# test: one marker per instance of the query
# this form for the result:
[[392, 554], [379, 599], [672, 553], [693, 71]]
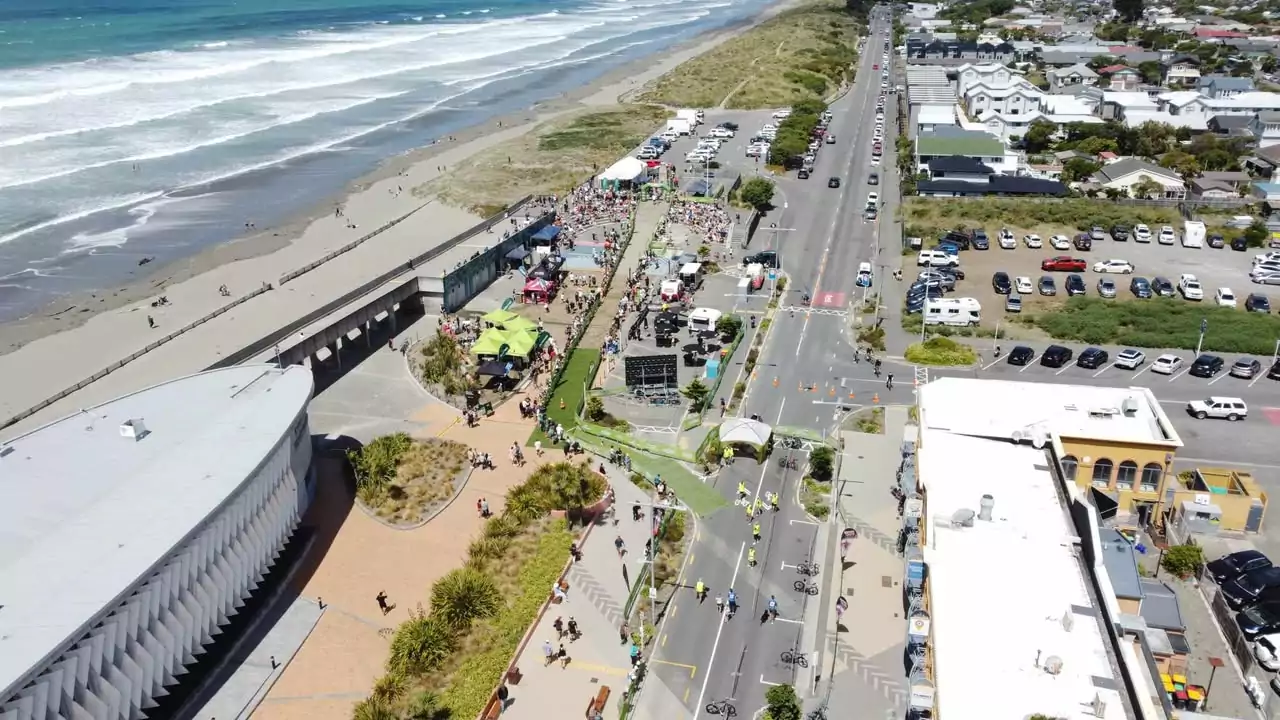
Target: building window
[[1069, 465], [1126, 474], [1151, 473], [1102, 473]]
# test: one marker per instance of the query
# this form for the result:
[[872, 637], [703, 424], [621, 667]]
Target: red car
[[1064, 263], [875, 67]]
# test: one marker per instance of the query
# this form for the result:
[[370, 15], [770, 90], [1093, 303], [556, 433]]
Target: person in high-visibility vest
[[759, 506], [751, 557], [773, 501], [755, 533], [700, 590], [742, 490]]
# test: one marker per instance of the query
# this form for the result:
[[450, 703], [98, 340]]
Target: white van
[[864, 275], [960, 312], [703, 320], [782, 115], [936, 258]]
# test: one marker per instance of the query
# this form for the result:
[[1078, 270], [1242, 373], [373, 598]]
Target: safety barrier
[[121, 363]]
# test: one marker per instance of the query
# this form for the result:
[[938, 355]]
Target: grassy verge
[[571, 390], [814, 497], [1160, 323], [699, 496], [869, 421], [555, 157], [801, 54], [941, 352], [924, 217]]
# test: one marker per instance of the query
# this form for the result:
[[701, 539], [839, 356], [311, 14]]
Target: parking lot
[[1214, 268]]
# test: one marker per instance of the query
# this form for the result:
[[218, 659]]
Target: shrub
[[728, 326], [941, 351], [1183, 560], [375, 464], [822, 463], [757, 192], [872, 337], [463, 596], [1161, 323], [697, 393], [781, 703], [420, 645], [595, 408]]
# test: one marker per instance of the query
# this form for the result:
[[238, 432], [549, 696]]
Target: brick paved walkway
[[344, 655]]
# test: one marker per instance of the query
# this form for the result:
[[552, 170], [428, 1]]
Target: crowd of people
[[709, 221]]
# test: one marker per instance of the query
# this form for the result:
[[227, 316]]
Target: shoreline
[[72, 311]]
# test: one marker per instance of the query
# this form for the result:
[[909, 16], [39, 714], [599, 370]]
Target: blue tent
[[548, 233]]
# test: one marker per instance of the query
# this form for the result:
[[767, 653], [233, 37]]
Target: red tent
[[538, 290]]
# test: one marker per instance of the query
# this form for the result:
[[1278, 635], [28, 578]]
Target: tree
[[1256, 234], [1039, 136], [781, 703], [463, 596], [1146, 189], [1130, 11], [1183, 560], [595, 408], [375, 465], [1096, 145], [822, 463], [420, 645], [697, 392], [1151, 72], [758, 193], [728, 326], [1269, 64], [1077, 169]]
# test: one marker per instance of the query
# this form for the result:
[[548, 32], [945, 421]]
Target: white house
[[992, 74], [1125, 174], [1078, 74], [1016, 99], [1194, 103], [1265, 126], [932, 116]]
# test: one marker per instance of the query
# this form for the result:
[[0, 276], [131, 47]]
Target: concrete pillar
[[391, 318], [336, 347], [367, 330]]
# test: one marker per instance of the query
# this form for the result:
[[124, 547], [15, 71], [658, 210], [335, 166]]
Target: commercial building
[[132, 531]]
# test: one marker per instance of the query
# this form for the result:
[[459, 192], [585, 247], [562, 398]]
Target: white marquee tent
[[628, 169], [745, 431]]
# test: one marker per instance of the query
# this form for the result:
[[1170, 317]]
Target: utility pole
[[1204, 327], [652, 558]]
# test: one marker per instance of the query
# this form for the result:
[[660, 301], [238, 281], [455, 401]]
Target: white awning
[[745, 431]]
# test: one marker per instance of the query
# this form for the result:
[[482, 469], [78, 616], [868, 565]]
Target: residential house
[[1223, 184], [1121, 78], [995, 185], [1014, 99], [1125, 174], [1265, 161], [1194, 103], [1181, 71], [1265, 127], [956, 167], [990, 74], [1078, 74], [975, 144], [1147, 607], [930, 117], [1223, 86], [1231, 125], [1116, 104], [1215, 35], [1056, 109], [961, 50]]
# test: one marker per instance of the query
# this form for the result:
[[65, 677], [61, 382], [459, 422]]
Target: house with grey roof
[[1078, 74], [1121, 562], [1220, 184], [1265, 127], [1223, 86], [1129, 173]]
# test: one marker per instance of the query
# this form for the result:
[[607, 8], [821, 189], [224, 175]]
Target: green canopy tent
[[519, 324], [499, 317], [490, 342], [505, 343]]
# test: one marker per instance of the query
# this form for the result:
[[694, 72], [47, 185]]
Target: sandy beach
[[77, 336]]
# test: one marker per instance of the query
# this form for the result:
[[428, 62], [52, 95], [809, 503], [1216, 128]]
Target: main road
[[822, 238]]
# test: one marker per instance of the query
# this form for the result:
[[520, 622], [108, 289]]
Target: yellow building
[[1117, 440]]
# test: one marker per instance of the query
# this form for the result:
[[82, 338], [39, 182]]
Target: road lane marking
[[1257, 377], [1217, 378], [602, 669], [702, 694], [1221, 462], [1178, 375], [803, 522], [1064, 369], [692, 669], [1108, 367], [764, 682], [789, 620], [1030, 362]]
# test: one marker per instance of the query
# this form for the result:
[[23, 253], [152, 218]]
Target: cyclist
[[722, 406], [773, 607], [773, 501], [877, 365], [876, 370], [733, 602], [751, 557], [700, 590], [742, 490], [755, 533], [889, 383], [719, 604], [758, 506]]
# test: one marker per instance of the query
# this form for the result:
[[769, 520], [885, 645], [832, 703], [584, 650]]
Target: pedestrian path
[[599, 585], [869, 671], [648, 217]]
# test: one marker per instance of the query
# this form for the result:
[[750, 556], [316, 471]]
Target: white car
[[1130, 359], [1032, 241], [1224, 297], [875, 159], [873, 199], [1141, 233], [1122, 267], [1060, 242], [782, 115], [1023, 285], [721, 133], [1273, 256], [1008, 242], [1167, 236], [1190, 288], [1167, 364], [1266, 649], [1226, 408]]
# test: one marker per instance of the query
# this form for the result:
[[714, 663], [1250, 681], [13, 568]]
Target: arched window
[[1102, 468], [1126, 475], [1151, 473], [1069, 465]]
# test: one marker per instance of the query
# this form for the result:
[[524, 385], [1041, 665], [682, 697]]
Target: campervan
[[691, 275], [961, 312], [703, 320], [864, 275], [670, 291]]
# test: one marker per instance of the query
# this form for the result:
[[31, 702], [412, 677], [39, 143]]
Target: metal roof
[[1121, 562]]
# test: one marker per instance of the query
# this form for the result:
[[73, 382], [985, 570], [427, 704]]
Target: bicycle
[[792, 657], [810, 569], [804, 587], [722, 707]]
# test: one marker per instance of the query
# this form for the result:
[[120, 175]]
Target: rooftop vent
[[134, 429], [1068, 620], [1098, 707], [985, 506], [962, 518], [1130, 406], [1103, 413], [6, 451], [1053, 665]]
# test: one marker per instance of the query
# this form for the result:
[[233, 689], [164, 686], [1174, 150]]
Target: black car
[[1056, 356], [1207, 366], [1140, 287], [833, 182], [1257, 303], [1119, 232], [729, 126], [1243, 590], [980, 241], [1274, 372], [1217, 241], [873, 179], [803, 174], [1083, 242], [1262, 619], [1046, 286], [1162, 287], [1001, 284], [1239, 244], [1230, 567], [1021, 355], [957, 238], [767, 258], [1092, 358], [1074, 285]]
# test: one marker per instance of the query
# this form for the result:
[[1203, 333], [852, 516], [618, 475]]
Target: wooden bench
[[596, 707], [493, 710]]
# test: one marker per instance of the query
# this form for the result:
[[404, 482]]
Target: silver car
[[1106, 288]]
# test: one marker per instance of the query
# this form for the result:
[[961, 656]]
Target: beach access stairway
[[648, 217]]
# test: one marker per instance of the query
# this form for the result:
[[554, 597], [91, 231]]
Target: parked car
[[1074, 285], [1233, 565], [980, 241], [1000, 283], [1097, 234], [1119, 233], [1023, 285], [1246, 368], [1190, 288], [1021, 355], [767, 258], [1140, 287], [1141, 233], [1225, 297], [1206, 366], [1239, 243], [1046, 286], [1092, 358], [1008, 242], [1013, 304], [1266, 653], [1167, 364], [1032, 241], [1217, 241], [1262, 619], [1219, 408], [1063, 263], [1244, 589], [1257, 303], [1083, 242], [1106, 288], [1059, 242], [1273, 373], [1167, 236], [1130, 359], [1055, 356], [873, 179], [1122, 267]]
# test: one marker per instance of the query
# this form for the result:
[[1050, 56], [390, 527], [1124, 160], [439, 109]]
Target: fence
[[121, 363], [1178, 203], [715, 387]]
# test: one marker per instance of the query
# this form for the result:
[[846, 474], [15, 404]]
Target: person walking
[[381, 597], [755, 533], [549, 652], [773, 501], [719, 604], [503, 695], [733, 602], [700, 590], [573, 629], [624, 633], [620, 546], [559, 627], [635, 654], [563, 656]]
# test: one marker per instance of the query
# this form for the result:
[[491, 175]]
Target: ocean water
[[156, 128]]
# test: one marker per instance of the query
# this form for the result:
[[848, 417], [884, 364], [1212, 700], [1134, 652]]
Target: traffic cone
[[831, 393], [775, 381], [875, 398], [850, 396]]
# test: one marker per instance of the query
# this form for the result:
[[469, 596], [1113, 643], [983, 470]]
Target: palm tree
[[464, 595], [420, 645], [426, 705], [373, 709]]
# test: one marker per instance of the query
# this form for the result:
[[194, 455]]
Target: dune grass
[[557, 156], [802, 53]]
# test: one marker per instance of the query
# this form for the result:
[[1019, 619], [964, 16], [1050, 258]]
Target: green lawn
[[572, 388], [701, 497], [1160, 323]]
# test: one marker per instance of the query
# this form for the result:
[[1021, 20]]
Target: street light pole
[[1204, 327]]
